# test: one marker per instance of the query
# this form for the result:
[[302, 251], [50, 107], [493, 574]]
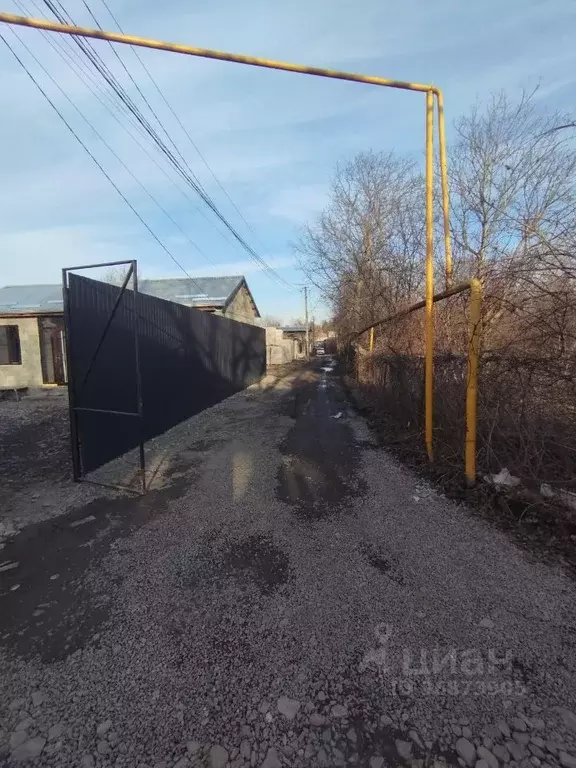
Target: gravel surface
[[288, 595]]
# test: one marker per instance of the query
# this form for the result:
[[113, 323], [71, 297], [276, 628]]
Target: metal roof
[[199, 292]]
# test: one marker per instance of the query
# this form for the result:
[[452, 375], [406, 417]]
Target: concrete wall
[[29, 373], [241, 308], [278, 349]]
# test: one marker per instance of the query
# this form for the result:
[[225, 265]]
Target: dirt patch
[[381, 561], [34, 444], [320, 467], [260, 560], [47, 606]]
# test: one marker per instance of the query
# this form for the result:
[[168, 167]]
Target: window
[[10, 345]]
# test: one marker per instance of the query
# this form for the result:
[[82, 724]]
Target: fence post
[[472, 380]]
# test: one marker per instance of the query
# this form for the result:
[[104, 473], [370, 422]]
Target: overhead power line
[[94, 159], [179, 121], [183, 170], [76, 62], [106, 144]]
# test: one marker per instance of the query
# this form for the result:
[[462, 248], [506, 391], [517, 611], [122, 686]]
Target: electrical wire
[[106, 144], [180, 123], [76, 62], [112, 81], [100, 166]]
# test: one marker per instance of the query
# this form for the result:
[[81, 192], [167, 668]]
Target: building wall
[[241, 307], [278, 349], [29, 373]]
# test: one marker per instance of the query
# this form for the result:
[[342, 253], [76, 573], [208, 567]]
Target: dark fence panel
[[189, 360]]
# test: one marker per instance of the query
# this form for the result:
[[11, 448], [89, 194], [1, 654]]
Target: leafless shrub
[[513, 218]]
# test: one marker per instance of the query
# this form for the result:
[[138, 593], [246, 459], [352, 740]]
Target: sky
[[270, 138]]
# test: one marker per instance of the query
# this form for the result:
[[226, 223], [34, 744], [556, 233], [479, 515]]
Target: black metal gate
[[138, 365]]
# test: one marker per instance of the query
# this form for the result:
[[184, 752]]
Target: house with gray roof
[[32, 322]]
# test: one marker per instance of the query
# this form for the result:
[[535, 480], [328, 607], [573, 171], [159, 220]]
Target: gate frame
[[132, 272]]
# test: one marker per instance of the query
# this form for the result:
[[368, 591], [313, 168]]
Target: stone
[[386, 721], [17, 738], [322, 759], [521, 738], [502, 726], [487, 742], [517, 724], [183, 763], [218, 756], [538, 742], [16, 704], [38, 698], [501, 753], [103, 728], [321, 696], [288, 707], [481, 764], [539, 753], [23, 725], [376, 762], [245, 749], [404, 749], [416, 738], [516, 750], [193, 746], [486, 623], [103, 747], [87, 762], [317, 720], [535, 761], [488, 757], [568, 717], [352, 736], [29, 749], [467, 732], [55, 732], [466, 750], [339, 710], [566, 760]]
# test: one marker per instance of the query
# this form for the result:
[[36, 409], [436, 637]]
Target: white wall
[[29, 373]]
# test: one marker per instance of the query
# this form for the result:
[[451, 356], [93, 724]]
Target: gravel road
[[289, 595]]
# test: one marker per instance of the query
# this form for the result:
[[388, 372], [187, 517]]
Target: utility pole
[[306, 321]]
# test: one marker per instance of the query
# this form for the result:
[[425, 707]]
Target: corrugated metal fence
[[181, 359]]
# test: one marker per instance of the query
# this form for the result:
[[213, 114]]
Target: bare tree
[[365, 251], [271, 321]]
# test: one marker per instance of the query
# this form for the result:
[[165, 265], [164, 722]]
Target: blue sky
[[271, 138]]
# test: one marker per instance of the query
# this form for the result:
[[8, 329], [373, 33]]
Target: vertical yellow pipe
[[429, 369], [445, 193], [472, 380], [371, 343]]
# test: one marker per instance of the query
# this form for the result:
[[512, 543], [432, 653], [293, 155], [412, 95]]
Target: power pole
[[306, 321]]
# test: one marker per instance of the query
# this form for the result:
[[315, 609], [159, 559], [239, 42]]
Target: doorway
[[51, 332]]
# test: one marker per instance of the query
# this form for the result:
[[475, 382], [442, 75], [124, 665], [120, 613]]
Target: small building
[[32, 324], [298, 334]]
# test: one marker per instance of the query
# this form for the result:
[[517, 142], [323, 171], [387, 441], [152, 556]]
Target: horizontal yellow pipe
[[460, 288], [207, 53]]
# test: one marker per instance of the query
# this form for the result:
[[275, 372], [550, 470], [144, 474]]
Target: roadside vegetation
[[512, 169]]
